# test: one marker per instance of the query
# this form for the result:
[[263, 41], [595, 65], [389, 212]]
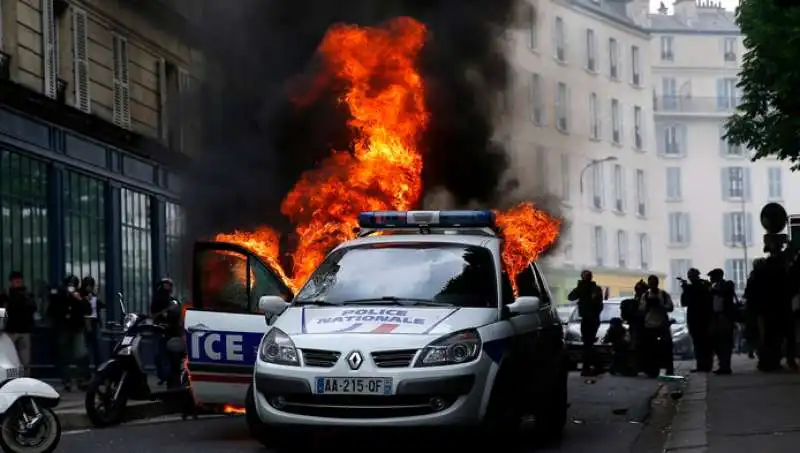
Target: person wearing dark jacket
[[162, 309], [723, 318], [93, 322], [655, 306], [20, 308], [629, 310], [696, 297], [589, 297], [68, 312]]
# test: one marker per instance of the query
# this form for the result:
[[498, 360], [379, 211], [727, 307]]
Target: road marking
[[78, 431]]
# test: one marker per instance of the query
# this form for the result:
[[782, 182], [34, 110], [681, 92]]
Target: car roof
[[462, 239]]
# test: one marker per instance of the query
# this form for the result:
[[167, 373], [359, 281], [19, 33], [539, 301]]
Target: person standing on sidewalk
[[92, 330], [67, 312], [723, 296], [589, 297], [655, 306], [696, 297], [629, 310], [20, 308]]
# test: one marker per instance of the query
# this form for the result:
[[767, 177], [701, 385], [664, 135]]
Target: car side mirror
[[272, 306], [522, 306]]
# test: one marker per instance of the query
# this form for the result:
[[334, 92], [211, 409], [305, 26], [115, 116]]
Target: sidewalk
[[747, 412]]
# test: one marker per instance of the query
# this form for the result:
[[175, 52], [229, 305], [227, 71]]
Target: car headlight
[[278, 348], [129, 320], [460, 347]]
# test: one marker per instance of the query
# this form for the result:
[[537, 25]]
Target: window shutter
[[725, 183], [80, 51], [721, 98], [728, 268], [727, 229], [748, 228], [50, 49], [121, 111], [621, 122], [687, 221], [746, 183], [682, 139], [661, 141], [163, 99], [593, 234], [604, 245]]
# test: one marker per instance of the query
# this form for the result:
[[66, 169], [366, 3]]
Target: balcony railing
[[694, 104]]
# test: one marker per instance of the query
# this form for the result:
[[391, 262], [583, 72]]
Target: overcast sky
[[728, 4]]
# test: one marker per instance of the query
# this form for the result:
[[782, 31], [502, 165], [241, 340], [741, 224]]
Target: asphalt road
[[605, 416]]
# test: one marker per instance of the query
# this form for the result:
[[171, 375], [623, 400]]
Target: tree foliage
[[768, 118]]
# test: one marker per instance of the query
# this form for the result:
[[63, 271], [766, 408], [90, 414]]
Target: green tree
[[768, 118]]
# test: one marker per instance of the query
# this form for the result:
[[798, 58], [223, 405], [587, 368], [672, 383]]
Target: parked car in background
[[565, 311], [681, 341]]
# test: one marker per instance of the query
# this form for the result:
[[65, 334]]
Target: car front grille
[[400, 358], [320, 358], [359, 406]]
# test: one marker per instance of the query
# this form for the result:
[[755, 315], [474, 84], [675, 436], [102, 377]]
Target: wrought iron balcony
[[695, 104]]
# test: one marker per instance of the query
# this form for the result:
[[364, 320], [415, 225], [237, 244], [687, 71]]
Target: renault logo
[[355, 360]]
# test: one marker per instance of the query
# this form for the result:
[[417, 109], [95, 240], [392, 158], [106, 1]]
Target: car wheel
[[259, 430], [551, 415]]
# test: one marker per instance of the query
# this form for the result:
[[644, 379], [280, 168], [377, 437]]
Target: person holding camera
[[696, 297], [589, 297], [723, 319], [656, 305]]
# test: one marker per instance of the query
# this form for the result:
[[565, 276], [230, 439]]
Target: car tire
[[551, 416], [259, 430]]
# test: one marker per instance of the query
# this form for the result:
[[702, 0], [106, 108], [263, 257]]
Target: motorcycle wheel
[[101, 407], [43, 437]]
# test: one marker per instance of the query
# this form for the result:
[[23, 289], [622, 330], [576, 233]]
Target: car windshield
[[610, 310], [404, 273]]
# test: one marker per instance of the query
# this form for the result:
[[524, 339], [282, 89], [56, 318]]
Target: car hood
[[382, 320]]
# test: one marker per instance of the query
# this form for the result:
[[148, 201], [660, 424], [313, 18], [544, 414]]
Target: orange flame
[[385, 95], [228, 409]]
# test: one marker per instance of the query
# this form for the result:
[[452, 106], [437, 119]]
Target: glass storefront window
[[23, 223], [137, 254], [175, 228], [85, 228]]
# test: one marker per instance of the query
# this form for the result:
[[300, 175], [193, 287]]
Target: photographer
[[657, 338], [723, 297], [696, 297], [589, 297]]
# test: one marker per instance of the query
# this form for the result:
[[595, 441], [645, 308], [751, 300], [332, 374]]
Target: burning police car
[[413, 323]]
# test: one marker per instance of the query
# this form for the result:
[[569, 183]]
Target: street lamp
[[591, 164]]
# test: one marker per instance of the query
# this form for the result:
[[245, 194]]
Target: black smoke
[[254, 141]]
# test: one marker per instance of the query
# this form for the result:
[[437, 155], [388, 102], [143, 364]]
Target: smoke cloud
[[255, 142]]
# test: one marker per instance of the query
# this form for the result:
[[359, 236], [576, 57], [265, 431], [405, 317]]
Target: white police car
[[415, 326]]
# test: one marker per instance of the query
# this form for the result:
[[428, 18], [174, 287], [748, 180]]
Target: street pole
[[591, 164], [744, 238]]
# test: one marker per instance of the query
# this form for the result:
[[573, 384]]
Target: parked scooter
[[123, 377], [27, 421]]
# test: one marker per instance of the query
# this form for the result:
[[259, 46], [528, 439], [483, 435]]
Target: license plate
[[126, 341], [353, 386], [13, 373]]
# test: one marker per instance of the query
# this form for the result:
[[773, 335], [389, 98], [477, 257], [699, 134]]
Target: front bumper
[[435, 396]]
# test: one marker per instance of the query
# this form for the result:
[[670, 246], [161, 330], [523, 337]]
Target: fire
[[527, 232], [228, 409], [385, 95]]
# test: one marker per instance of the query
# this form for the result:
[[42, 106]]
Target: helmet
[[164, 282], [87, 281]]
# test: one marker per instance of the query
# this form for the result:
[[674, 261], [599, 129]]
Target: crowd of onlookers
[[73, 311]]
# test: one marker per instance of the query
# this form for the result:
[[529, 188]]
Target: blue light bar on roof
[[441, 219]]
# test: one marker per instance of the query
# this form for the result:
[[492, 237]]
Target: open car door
[[223, 324]]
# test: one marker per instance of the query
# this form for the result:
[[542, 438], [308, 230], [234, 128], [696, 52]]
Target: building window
[[679, 228], [594, 117], [591, 51], [678, 268], [673, 139], [636, 66], [641, 194], [674, 192], [50, 42], [137, 254], [669, 93], [736, 271], [644, 251], [730, 49], [737, 229], [533, 38], [775, 183], [616, 122], [537, 111], [175, 230], [727, 94], [613, 58], [666, 48], [735, 183], [85, 227], [560, 40], [566, 183], [599, 243], [23, 222], [567, 241], [622, 248], [619, 189], [638, 128], [598, 189], [122, 96], [562, 107]]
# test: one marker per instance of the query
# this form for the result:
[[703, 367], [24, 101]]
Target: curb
[[76, 419], [689, 430]]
